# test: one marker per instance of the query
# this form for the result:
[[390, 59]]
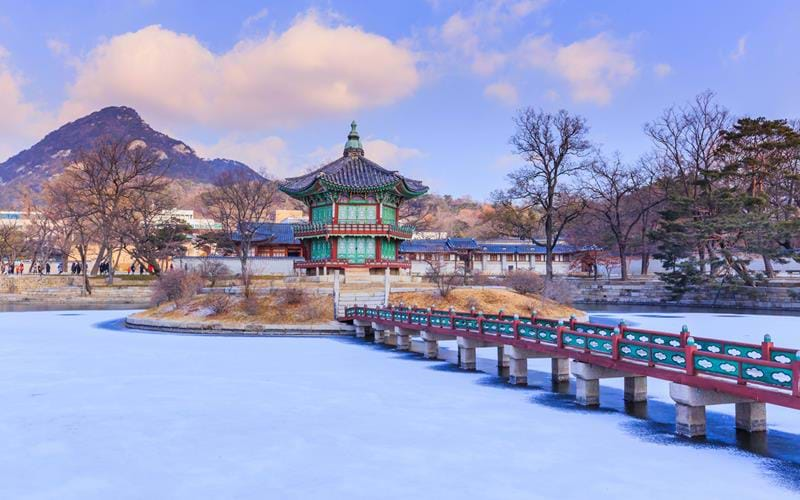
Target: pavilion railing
[[351, 228]]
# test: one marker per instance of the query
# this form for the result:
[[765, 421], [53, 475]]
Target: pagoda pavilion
[[353, 206]]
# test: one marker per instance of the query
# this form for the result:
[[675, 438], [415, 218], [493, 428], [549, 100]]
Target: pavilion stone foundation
[[587, 383], [690, 410]]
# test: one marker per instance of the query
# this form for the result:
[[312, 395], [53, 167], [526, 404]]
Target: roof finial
[[353, 145]]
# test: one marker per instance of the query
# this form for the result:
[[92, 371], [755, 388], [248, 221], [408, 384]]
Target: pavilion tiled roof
[[355, 172]]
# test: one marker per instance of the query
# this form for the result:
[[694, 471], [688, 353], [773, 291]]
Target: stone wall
[[259, 266], [785, 298], [25, 283]]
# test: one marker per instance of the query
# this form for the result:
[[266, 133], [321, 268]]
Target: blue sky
[[433, 84]]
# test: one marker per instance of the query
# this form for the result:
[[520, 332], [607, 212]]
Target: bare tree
[[553, 146], [440, 274], [686, 140], [72, 217], [620, 197], [13, 241], [239, 201], [110, 177]]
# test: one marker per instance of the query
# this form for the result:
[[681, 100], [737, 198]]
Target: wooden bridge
[[702, 371]]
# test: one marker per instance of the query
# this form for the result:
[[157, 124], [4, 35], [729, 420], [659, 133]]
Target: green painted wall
[[320, 249], [389, 215], [322, 214], [356, 249], [357, 213], [387, 249]]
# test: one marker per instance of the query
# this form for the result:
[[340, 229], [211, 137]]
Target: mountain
[[29, 170]]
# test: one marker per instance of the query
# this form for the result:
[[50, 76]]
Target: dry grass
[[268, 309], [489, 301]]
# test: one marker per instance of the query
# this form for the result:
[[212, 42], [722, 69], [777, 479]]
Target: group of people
[[150, 268], [11, 268]]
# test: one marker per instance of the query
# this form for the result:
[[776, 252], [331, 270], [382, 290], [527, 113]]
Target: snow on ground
[[92, 412]]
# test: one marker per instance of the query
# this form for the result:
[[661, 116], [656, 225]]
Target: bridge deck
[[760, 372]]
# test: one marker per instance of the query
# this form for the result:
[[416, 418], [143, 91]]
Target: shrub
[[473, 303], [251, 305], [291, 296], [525, 282], [218, 303], [561, 291], [214, 270], [177, 285]]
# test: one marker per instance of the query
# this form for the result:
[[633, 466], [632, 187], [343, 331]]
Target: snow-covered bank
[[89, 412]]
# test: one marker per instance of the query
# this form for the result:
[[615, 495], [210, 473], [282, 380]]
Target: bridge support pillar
[[587, 391], [431, 350], [518, 371], [559, 369], [378, 333], [361, 328], [587, 383], [502, 358], [518, 363], [635, 389], [751, 417], [403, 338], [691, 402], [469, 355]]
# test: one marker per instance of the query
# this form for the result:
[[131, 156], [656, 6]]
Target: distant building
[[491, 256], [198, 224], [289, 216], [276, 239]]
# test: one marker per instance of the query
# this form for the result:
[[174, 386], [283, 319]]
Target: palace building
[[353, 206]]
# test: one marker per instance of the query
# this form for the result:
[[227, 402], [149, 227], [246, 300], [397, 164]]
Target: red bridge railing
[[761, 372]]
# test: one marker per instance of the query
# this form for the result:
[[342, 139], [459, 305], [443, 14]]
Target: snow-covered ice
[[88, 411]]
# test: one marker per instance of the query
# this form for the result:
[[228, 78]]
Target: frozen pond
[[92, 411]]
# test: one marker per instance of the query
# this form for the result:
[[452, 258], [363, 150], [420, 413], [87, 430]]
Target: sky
[[433, 84]]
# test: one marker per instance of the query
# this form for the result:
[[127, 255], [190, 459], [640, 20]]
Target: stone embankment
[[67, 290], [227, 328], [782, 297]]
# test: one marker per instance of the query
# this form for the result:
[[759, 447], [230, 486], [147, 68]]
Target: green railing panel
[[634, 351], [742, 351], [666, 357], [708, 364], [597, 330], [672, 341], [547, 336], [547, 322], [782, 357], [466, 323], [600, 345], [709, 346], [441, 321], [571, 339], [782, 377]]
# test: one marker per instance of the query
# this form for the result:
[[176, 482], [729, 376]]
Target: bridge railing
[[746, 363]]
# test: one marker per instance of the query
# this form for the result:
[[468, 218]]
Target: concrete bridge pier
[[378, 331], [432, 340], [518, 365], [503, 361], [587, 383], [469, 356], [403, 338], [361, 328], [690, 410]]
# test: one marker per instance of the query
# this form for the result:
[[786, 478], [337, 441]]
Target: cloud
[[593, 68], [249, 21], [502, 92], [312, 69], [388, 154], [662, 70], [22, 121], [267, 155], [740, 50], [465, 36]]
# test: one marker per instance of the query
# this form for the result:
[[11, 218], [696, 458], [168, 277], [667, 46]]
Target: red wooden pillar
[[690, 349], [766, 348], [335, 249], [335, 213], [378, 249]]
